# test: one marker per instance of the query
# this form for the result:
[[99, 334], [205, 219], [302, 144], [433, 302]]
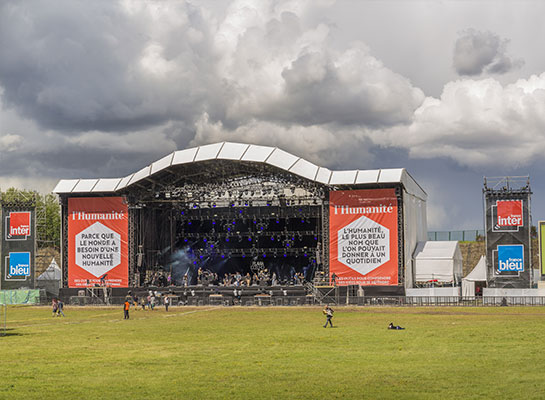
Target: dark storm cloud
[[104, 66], [97, 66], [476, 52]]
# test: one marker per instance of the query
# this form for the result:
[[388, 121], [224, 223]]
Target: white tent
[[52, 273], [478, 274], [438, 262]]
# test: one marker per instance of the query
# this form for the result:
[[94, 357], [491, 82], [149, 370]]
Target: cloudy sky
[[451, 90]]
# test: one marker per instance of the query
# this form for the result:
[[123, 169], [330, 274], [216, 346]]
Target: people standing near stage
[[54, 305], [167, 302], [152, 301], [60, 307], [126, 307], [328, 312], [129, 297], [248, 279]]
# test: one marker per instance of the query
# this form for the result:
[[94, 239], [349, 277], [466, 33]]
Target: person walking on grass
[[126, 307], [167, 303], [54, 305], [60, 307], [328, 312]]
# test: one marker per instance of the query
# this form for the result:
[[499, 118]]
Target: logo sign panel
[[509, 213], [507, 216], [17, 225], [18, 266], [97, 242], [510, 258], [363, 237]]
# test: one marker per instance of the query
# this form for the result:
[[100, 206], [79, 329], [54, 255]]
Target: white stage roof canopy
[[272, 156]]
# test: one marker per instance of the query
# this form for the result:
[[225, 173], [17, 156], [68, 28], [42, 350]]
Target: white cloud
[[478, 123], [323, 145]]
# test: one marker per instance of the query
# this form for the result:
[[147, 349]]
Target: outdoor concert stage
[[230, 208]]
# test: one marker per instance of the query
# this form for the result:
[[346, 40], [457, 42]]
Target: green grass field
[[274, 353]]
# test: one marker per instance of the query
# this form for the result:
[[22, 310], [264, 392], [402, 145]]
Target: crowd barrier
[[311, 300]]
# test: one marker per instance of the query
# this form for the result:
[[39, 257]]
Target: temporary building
[[50, 279], [478, 274], [438, 262]]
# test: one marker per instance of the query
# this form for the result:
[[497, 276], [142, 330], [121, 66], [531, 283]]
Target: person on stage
[[328, 312]]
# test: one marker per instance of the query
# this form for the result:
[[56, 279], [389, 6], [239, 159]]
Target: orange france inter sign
[[97, 242], [363, 234]]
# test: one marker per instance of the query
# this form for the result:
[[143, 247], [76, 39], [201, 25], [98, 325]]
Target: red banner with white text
[[363, 232], [98, 242]]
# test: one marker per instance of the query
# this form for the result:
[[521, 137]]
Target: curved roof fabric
[[249, 153]]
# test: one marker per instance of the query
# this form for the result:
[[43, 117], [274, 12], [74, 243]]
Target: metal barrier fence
[[462, 236], [396, 301]]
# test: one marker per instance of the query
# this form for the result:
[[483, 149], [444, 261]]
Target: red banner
[[97, 242], [363, 237]]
